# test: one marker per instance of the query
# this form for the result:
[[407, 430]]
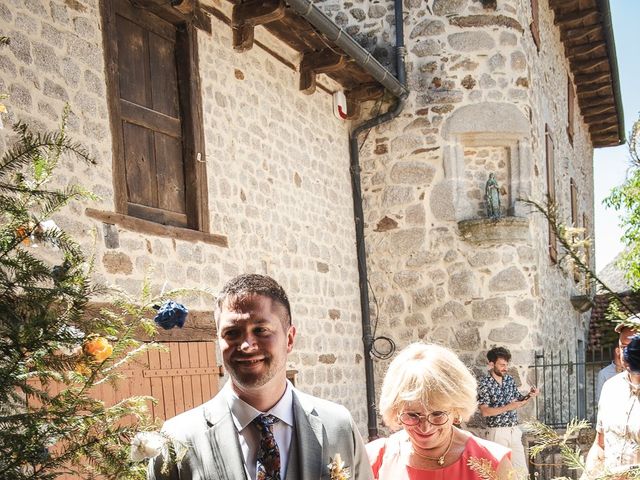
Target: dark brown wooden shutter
[[535, 23], [571, 101], [575, 220], [150, 116], [551, 191]]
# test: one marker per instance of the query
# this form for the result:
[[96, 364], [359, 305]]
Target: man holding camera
[[499, 399]]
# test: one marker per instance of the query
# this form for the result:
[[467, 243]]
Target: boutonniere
[[337, 470]]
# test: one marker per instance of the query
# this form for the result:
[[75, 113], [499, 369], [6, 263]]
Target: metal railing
[[567, 381]]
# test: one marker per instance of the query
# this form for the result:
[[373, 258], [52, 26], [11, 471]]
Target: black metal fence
[[568, 382]]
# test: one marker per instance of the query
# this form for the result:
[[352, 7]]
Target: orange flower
[[99, 348], [21, 233], [82, 369]]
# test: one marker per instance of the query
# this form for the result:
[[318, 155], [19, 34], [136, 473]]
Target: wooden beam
[[580, 33], [601, 117], [361, 93], [567, 18], [586, 65], [595, 101], [587, 78], [314, 63], [604, 128], [561, 3], [584, 49], [246, 16], [599, 109], [596, 90]]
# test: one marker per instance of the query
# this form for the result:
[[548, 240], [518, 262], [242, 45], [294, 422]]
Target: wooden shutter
[[575, 221], [535, 23], [151, 123], [551, 191], [154, 101], [571, 101], [587, 249]]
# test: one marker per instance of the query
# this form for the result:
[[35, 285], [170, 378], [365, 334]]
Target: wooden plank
[[157, 215], [156, 386], [180, 371], [178, 392], [207, 391], [141, 386], [588, 13], [187, 382], [167, 386], [580, 33], [170, 173], [314, 63], [110, 42], [151, 228], [164, 78], [585, 49], [132, 62], [586, 65], [147, 118], [194, 154], [196, 381], [140, 165], [211, 362]]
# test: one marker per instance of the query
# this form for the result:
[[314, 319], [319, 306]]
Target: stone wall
[[481, 94], [278, 181]]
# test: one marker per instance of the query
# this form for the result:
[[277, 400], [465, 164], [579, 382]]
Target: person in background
[[617, 443], [498, 400], [608, 372], [260, 427], [425, 389]]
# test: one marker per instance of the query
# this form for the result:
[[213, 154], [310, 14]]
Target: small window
[[535, 23], [551, 191], [571, 102], [156, 114]]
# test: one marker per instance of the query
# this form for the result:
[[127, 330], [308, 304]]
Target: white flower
[[146, 445], [337, 469]]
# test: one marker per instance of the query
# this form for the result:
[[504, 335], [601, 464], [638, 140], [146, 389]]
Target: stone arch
[[498, 129]]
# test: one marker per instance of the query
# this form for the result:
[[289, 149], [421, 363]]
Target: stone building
[[240, 164]]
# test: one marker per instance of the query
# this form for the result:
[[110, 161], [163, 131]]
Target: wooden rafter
[[585, 65], [599, 109], [588, 48], [246, 16], [590, 78], [596, 90], [568, 18], [578, 34], [362, 93], [313, 63]]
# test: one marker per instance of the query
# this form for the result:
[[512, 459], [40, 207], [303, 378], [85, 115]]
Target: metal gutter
[[342, 39], [607, 26]]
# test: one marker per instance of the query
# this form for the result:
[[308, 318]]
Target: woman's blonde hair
[[432, 375]]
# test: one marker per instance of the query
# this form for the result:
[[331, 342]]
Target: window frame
[[551, 190], [535, 23], [191, 116]]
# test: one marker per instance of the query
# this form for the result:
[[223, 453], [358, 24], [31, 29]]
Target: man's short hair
[[253, 284], [498, 352]]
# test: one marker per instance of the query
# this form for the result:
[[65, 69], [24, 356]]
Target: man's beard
[[499, 373]]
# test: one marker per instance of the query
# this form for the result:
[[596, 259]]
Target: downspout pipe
[[354, 156]]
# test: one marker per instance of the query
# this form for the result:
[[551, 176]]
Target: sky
[[611, 164]]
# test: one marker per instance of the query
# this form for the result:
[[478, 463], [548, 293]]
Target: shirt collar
[[243, 413]]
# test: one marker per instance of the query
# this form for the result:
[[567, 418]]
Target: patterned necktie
[[268, 461]]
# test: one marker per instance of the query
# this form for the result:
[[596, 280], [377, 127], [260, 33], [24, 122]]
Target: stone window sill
[[151, 228], [502, 230]]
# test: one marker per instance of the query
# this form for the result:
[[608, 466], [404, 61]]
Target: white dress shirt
[[248, 434]]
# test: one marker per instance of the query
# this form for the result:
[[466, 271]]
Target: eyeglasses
[[411, 419]]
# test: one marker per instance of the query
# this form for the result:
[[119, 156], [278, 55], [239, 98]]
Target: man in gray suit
[[259, 427]]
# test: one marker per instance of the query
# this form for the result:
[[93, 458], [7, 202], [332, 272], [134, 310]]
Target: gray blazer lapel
[[310, 439], [223, 438]]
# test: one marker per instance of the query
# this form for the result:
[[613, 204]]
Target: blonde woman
[[426, 389]]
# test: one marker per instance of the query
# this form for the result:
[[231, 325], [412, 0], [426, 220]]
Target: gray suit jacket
[[322, 429]]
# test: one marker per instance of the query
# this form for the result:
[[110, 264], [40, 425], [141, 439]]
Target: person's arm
[[361, 467], [487, 411], [594, 463], [505, 470]]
